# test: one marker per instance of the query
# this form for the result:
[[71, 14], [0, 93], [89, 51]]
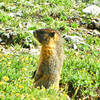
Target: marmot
[[51, 58]]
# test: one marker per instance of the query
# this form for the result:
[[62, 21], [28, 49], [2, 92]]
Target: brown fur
[[51, 58]]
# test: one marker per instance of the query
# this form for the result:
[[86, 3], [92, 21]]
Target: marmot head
[[46, 36]]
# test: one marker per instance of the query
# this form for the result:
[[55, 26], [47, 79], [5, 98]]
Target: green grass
[[74, 25], [4, 17], [81, 70], [16, 82]]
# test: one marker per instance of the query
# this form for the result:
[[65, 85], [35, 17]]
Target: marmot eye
[[52, 34]]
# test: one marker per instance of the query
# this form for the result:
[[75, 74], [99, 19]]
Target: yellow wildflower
[[20, 86], [12, 80], [2, 91], [1, 83], [91, 81], [22, 97], [19, 80], [61, 89], [26, 58], [1, 54], [24, 69], [33, 98], [9, 62], [17, 94], [16, 84], [5, 78], [22, 78], [1, 96]]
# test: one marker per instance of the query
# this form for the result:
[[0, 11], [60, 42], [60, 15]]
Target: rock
[[74, 46], [96, 33], [80, 1], [97, 19], [90, 33], [11, 14], [5, 51], [8, 37], [95, 24], [96, 2], [85, 0], [19, 14], [92, 9], [74, 39]]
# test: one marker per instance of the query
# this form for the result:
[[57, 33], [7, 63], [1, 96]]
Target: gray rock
[[85, 0], [96, 33], [74, 39], [8, 37], [11, 14], [74, 46], [5, 51], [92, 9], [90, 33], [95, 24], [19, 14], [79, 1], [96, 2]]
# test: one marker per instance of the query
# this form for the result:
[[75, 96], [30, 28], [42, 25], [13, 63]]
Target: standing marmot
[[51, 58]]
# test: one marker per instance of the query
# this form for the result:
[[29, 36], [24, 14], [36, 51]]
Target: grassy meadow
[[80, 77]]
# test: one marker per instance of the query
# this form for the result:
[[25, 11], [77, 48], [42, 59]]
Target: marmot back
[[51, 58]]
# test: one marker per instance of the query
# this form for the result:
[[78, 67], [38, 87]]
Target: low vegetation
[[80, 76]]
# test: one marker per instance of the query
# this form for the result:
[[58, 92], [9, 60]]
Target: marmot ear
[[52, 34]]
